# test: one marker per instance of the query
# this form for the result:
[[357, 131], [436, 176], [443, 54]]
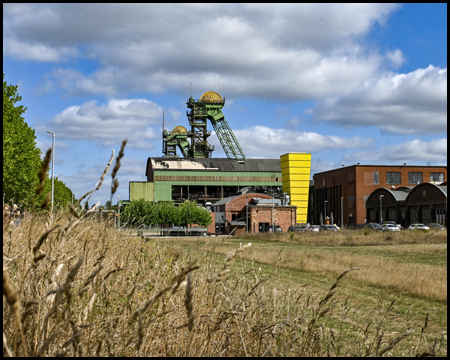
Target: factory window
[[414, 178], [393, 178], [351, 198], [438, 177], [376, 178]]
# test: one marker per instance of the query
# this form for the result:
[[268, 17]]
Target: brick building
[[343, 192], [425, 203], [257, 210]]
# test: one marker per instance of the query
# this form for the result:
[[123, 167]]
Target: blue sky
[[346, 82]]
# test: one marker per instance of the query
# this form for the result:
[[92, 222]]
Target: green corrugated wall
[[141, 190]]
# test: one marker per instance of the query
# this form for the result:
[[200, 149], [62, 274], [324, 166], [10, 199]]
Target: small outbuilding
[[252, 212]]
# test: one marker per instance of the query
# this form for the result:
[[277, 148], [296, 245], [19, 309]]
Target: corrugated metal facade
[[296, 168], [169, 173], [141, 190]]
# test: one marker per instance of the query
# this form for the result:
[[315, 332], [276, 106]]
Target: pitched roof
[[220, 164]]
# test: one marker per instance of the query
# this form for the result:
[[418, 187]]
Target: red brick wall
[[284, 216], [357, 181]]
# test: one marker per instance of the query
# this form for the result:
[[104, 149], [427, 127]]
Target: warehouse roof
[[218, 164]]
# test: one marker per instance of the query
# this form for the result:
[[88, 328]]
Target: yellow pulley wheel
[[179, 128], [210, 96]]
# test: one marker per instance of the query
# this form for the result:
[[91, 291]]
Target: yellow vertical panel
[[295, 170]]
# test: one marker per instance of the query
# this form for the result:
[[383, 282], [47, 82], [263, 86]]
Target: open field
[[84, 289]]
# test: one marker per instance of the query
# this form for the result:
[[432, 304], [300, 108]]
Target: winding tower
[[208, 107]]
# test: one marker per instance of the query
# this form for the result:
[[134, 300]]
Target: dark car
[[297, 228], [328, 228], [374, 226], [436, 226]]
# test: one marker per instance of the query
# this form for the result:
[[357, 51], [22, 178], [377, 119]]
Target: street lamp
[[72, 194], [118, 206], [325, 214], [381, 208], [53, 165]]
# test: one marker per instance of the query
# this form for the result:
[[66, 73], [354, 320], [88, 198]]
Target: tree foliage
[[62, 194], [142, 212], [21, 156]]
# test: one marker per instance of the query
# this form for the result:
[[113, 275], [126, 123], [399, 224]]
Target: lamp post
[[53, 165], [72, 194], [273, 216], [246, 215], [118, 206], [381, 208], [325, 213]]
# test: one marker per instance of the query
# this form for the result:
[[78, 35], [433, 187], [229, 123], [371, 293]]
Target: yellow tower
[[295, 169]]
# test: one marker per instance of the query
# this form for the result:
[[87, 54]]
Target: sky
[[347, 83]]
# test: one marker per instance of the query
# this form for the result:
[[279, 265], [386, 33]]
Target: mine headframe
[[208, 107]]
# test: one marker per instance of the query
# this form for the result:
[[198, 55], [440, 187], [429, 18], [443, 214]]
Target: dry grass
[[354, 238], [85, 289], [417, 279], [77, 287]]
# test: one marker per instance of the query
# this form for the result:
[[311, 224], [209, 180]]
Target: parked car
[[297, 228], [328, 228], [436, 226], [313, 228], [383, 223], [418, 227], [374, 226], [276, 228], [390, 227]]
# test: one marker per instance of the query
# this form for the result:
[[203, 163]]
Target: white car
[[418, 227], [390, 227]]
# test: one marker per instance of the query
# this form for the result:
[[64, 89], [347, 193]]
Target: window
[[351, 198], [393, 178], [392, 215], [414, 178], [376, 178], [438, 177]]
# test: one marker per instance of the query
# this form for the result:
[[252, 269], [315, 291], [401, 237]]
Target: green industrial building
[[206, 179], [197, 176]]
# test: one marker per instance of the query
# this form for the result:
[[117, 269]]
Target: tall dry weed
[[81, 288]]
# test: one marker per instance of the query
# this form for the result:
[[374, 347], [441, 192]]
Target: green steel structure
[[206, 179], [208, 107]]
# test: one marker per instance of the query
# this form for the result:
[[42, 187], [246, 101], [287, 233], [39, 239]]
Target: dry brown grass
[[354, 238], [87, 290], [78, 287]]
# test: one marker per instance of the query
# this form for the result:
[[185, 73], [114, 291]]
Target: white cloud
[[262, 141], [281, 51], [86, 179], [413, 103], [411, 152], [108, 124], [396, 57]]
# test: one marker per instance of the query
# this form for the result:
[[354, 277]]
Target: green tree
[[21, 157], [142, 212], [190, 213], [62, 194], [138, 212]]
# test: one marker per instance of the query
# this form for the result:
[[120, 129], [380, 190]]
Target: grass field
[[83, 289]]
